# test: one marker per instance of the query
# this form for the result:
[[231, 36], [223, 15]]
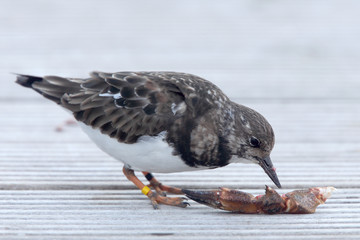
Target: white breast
[[150, 154]]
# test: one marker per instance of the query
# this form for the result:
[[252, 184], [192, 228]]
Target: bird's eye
[[254, 142]]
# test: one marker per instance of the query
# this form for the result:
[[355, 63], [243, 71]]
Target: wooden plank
[[67, 187]]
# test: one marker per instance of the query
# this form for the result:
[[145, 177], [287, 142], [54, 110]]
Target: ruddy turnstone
[[161, 122]]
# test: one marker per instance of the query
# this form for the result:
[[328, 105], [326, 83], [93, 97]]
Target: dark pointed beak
[[268, 167]]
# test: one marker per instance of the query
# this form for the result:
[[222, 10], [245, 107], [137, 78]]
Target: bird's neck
[[233, 131]]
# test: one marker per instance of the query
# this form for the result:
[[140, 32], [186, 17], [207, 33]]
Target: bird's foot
[[159, 187], [157, 199], [162, 190]]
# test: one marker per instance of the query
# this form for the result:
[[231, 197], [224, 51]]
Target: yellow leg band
[[145, 190]]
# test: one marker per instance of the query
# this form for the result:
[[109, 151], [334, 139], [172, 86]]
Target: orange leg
[[154, 197], [159, 187]]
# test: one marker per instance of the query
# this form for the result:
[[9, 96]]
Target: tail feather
[[27, 80], [51, 87]]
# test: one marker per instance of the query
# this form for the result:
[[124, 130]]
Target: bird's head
[[252, 140]]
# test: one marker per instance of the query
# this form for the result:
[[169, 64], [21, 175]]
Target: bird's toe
[[157, 199]]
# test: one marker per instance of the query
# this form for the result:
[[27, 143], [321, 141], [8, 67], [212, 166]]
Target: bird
[[161, 122]]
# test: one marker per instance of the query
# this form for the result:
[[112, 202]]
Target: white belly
[[150, 154]]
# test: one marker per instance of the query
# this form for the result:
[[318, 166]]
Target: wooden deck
[[296, 63]]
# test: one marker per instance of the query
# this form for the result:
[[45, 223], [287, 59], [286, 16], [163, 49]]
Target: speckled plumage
[[204, 128]]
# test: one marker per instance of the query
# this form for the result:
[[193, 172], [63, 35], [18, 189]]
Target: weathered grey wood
[[296, 62]]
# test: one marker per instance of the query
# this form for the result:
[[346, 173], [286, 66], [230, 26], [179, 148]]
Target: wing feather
[[126, 105]]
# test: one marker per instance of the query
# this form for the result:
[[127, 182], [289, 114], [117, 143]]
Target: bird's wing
[[127, 105]]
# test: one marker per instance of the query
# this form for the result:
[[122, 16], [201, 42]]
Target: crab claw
[[226, 199], [298, 201], [209, 198]]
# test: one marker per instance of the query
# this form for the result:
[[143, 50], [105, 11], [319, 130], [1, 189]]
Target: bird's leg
[[154, 197], [159, 187]]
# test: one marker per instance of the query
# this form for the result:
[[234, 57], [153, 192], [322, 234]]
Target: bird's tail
[[51, 87]]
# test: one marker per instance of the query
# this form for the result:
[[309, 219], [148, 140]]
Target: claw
[[209, 198], [184, 204], [157, 199], [155, 205], [299, 201]]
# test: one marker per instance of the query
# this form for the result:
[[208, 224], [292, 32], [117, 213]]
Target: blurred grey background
[[251, 48]]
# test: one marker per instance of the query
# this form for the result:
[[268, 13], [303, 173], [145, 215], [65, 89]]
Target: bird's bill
[[268, 167]]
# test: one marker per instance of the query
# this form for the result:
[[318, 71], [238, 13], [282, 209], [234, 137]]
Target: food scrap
[[61, 127], [296, 202]]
